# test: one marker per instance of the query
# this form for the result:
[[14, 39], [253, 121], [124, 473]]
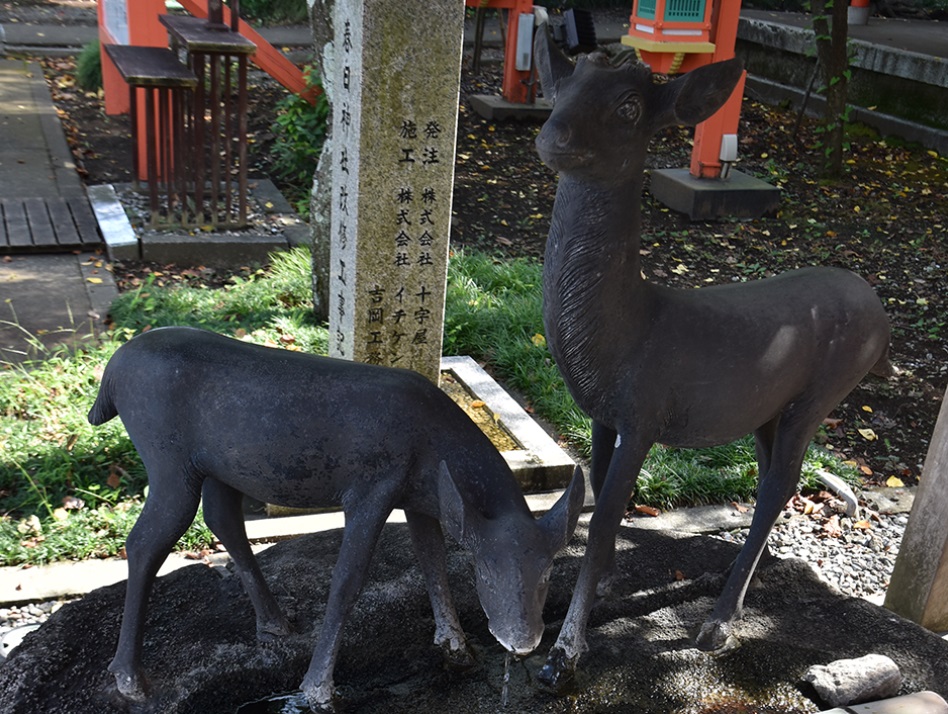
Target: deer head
[[513, 558], [605, 113]]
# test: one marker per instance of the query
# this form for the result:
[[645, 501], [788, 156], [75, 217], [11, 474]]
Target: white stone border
[[540, 463], [121, 242]]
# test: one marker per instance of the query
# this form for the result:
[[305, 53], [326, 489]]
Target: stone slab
[[917, 703], [49, 300], [35, 160], [495, 108], [219, 249], [738, 196]]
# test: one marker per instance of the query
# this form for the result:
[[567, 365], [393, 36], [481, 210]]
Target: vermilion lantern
[[665, 32]]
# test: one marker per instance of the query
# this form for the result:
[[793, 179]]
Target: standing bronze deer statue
[[213, 418], [688, 368]]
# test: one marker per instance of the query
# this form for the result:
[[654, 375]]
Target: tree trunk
[[833, 57]]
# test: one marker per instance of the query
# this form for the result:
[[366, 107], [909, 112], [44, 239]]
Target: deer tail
[[104, 408], [884, 367]]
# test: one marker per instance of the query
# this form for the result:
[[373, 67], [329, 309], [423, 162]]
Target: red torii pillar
[[516, 88], [126, 22]]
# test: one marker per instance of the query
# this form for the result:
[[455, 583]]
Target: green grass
[[70, 491], [53, 458], [272, 306]]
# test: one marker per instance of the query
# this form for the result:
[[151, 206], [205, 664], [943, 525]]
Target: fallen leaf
[[94, 281], [862, 525], [648, 511], [831, 527], [679, 576], [894, 482], [868, 434], [538, 340], [740, 508], [867, 408], [477, 404]]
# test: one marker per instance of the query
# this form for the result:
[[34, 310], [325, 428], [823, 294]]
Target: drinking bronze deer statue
[[689, 368], [216, 417]]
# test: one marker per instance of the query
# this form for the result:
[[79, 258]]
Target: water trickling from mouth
[[505, 690]]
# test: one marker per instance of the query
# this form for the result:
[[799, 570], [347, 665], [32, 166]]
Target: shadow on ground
[[201, 652]]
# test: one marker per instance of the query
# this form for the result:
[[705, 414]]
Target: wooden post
[[919, 586]]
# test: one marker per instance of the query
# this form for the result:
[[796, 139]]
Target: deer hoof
[[457, 658], [557, 672], [319, 698], [716, 636], [130, 685], [604, 588], [274, 631]]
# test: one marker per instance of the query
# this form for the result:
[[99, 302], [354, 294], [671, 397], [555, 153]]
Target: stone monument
[[395, 88], [919, 586]]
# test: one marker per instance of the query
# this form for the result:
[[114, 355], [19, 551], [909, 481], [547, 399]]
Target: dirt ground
[[887, 220]]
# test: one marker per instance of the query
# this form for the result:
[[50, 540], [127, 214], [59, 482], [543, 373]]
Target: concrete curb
[[770, 92], [20, 585]]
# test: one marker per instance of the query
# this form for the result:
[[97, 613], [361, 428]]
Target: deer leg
[[363, 526], [776, 487], [428, 542], [168, 511], [600, 549], [603, 446], [222, 514], [764, 445]]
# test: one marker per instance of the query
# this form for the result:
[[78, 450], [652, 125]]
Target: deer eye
[[631, 109]]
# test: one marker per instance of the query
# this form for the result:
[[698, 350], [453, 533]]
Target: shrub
[[275, 11], [89, 68], [300, 130]]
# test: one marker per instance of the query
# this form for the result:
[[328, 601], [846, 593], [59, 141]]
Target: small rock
[[851, 681]]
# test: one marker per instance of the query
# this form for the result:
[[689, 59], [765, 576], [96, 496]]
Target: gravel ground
[[856, 560]]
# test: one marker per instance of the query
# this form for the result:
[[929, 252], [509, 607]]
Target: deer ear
[[456, 517], [698, 94], [560, 521], [552, 65]]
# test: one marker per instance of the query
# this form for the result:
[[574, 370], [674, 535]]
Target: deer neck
[[592, 280]]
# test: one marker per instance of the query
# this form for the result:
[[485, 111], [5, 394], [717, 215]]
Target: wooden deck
[[34, 225]]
